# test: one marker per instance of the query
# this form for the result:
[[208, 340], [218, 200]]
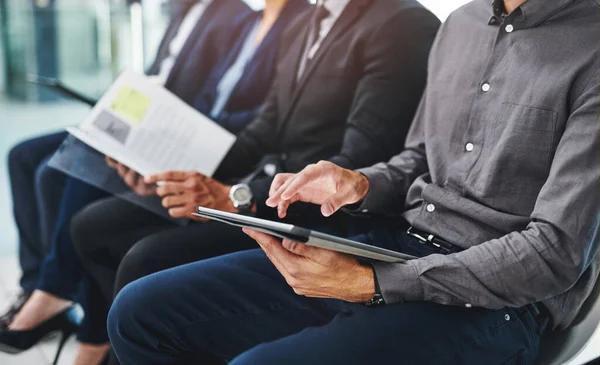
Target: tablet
[[57, 86], [305, 236]]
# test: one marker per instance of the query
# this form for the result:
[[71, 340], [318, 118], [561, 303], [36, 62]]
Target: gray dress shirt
[[503, 159]]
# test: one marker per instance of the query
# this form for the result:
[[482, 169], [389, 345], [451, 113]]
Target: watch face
[[242, 195]]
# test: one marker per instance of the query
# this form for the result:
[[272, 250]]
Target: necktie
[[319, 15]]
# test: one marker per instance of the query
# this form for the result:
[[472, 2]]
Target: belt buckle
[[428, 240]]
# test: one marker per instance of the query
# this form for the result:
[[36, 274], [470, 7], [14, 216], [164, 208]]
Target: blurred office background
[[84, 43]]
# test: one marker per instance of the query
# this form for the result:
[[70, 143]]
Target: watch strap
[[377, 299]]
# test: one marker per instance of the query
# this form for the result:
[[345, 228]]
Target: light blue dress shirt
[[233, 75]]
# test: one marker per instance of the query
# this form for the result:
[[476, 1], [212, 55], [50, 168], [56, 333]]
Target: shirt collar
[[534, 12], [531, 13], [335, 7]]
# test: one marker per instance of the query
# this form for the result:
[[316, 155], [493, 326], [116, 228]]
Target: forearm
[[239, 161], [235, 122], [512, 271], [254, 142]]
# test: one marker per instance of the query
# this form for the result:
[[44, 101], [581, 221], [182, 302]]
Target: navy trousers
[[36, 193], [45, 201], [62, 273], [237, 308]]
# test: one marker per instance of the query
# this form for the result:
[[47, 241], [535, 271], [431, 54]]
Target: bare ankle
[[40, 307]]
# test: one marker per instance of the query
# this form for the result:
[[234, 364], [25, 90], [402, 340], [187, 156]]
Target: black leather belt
[[427, 238]]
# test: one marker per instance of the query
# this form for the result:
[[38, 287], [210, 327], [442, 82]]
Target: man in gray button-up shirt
[[499, 183], [502, 161]]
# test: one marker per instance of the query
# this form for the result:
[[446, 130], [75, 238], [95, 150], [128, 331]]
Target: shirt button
[[469, 147], [509, 28], [430, 208], [468, 305], [485, 87], [365, 211]]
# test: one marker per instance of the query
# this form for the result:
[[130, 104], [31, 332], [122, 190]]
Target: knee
[[137, 316], [124, 318], [18, 156], [83, 232], [136, 264], [48, 179]]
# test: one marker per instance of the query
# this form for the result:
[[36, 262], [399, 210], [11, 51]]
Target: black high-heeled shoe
[[66, 323], [16, 306]]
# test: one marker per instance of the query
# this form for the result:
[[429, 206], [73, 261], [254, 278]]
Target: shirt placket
[[472, 143], [482, 113]]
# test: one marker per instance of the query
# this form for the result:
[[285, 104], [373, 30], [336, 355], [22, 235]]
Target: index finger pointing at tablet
[[295, 185]]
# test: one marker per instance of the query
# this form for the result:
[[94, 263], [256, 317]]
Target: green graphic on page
[[131, 104]]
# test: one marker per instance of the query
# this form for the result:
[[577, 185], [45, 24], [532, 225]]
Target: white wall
[[443, 8], [2, 67], [255, 4]]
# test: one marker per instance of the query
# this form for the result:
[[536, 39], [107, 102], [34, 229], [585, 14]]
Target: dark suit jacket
[[178, 10], [354, 103], [207, 47], [252, 89]]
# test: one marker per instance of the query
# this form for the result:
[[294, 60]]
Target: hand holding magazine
[[305, 236], [147, 128]]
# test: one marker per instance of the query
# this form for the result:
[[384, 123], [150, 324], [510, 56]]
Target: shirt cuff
[[380, 191], [398, 282]]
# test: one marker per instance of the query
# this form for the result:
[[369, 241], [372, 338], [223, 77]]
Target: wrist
[[225, 203], [361, 187], [242, 199], [364, 286]]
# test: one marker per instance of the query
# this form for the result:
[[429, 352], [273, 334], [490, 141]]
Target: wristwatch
[[242, 198], [377, 299]]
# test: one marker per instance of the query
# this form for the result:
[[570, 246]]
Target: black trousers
[[119, 242]]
